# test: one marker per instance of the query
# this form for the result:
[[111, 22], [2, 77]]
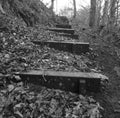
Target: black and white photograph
[[59, 58]]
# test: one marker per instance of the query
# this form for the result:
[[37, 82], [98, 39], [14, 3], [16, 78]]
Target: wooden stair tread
[[75, 82], [64, 30], [86, 75], [68, 46], [64, 26], [73, 36]]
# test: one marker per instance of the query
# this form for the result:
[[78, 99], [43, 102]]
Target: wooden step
[[73, 36], [77, 82], [63, 30], [72, 47], [64, 26]]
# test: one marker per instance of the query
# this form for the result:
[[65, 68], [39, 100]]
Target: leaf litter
[[18, 53], [39, 102]]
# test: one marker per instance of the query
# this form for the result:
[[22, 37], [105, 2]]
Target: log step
[[72, 47], [73, 36], [64, 26], [63, 30], [77, 82]]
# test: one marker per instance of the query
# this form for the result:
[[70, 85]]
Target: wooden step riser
[[70, 36], [64, 26], [68, 47], [76, 85], [62, 30], [77, 82]]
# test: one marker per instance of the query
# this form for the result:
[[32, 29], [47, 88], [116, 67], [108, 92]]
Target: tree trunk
[[117, 16], [105, 13], [52, 4], [1, 8], [98, 13], [92, 14], [112, 11], [74, 5]]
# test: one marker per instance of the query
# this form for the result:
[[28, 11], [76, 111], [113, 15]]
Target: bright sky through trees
[[60, 4]]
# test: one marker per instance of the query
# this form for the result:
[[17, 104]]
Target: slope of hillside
[[31, 12]]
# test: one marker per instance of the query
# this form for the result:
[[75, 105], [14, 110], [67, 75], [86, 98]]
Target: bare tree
[[1, 6], [52, 4], [1, 9], [112, 11], [117, 16], [92, 14], [98, 12], [74, 5], [105, 13]]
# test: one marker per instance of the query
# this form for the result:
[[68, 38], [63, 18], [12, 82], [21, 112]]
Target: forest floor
[[17, 53], [110, 95], [20, 59], [108, 60]]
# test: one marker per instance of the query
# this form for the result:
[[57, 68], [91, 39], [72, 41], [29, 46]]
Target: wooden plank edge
[[67, 42], [62, 29], [84, 75]]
